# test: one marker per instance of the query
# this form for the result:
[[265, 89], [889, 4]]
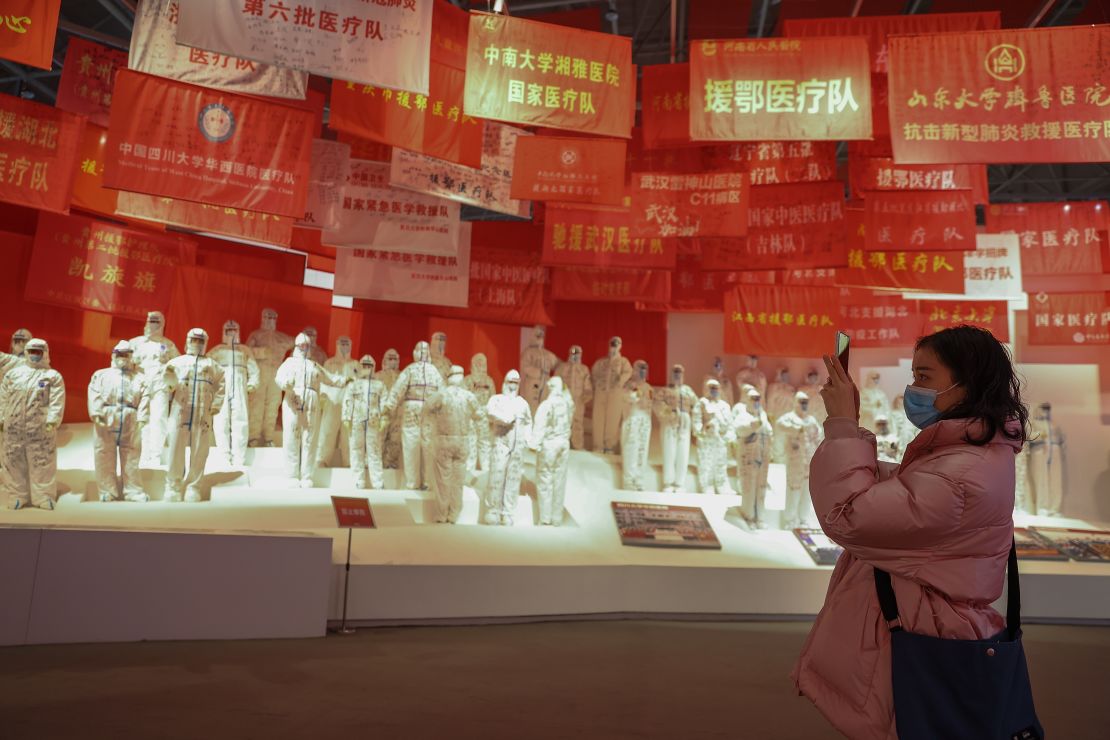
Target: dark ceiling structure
[[660, 31]]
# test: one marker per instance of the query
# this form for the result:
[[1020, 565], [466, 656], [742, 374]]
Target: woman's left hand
[[840, 394]]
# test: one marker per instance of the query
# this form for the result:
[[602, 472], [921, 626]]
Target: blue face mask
[[919, 405]]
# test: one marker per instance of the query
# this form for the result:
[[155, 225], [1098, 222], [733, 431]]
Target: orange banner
[[88, 74], [606, 284], [601, 238], [79, 262], [780, 89], [1031, 95], [780, 321], [991, 315], [1068, 319], [1055, 238], [881, 173], [668, 204], [919, 220], [665, 106], [89, 192], [264, 228], [27, 31], [192, 143], [38, 152], [778, 162], [873, 319], [570, 169], [537, 74], [932, 272]]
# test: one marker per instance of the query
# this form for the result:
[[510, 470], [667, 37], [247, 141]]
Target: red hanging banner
[[537, 74], [780, 89], [27, 31], [183, 141], [606, 284], [79, 262], [506, 287], [570, 169], [88, 74], [89, 192], [881, 173], [707, 204], [38, 151], [872, 319], [942, 220], [601, 238], [991, 315], [1032, 95], [932, 272], [1068, 319], [265, 228], [694, 290], [665, 96], [1055, 238], [780, 321], [778, 162]]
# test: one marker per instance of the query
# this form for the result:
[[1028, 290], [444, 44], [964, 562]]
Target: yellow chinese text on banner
[[375, 43]]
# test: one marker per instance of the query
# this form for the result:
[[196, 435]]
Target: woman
[[940, 523]]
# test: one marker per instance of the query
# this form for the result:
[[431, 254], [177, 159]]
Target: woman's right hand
[[839, 393]]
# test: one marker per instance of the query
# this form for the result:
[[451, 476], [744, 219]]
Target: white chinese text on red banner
[[1055, 238], [920, 220], [677, 205]]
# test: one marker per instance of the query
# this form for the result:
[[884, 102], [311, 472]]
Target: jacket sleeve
[[893, 521]]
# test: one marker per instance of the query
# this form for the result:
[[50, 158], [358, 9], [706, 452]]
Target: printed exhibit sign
[[657, 525], [352, 512]]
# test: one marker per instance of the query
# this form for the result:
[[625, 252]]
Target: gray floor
[[551, 680]]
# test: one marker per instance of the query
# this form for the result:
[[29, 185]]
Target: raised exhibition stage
[[251, 559]]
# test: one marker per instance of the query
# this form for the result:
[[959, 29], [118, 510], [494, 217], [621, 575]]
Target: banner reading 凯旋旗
[[372, 42], [210, 146], [38, 151], [154, 50]]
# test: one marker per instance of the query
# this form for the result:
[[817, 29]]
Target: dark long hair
[[983, 367]]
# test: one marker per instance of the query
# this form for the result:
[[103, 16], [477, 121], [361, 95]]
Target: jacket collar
[[953, 432]]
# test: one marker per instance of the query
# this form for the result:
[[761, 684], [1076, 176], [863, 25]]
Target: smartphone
[[842, 347]]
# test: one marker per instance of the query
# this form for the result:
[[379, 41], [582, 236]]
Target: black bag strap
[[889, 604]]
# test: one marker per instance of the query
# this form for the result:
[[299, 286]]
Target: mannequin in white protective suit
[[536, 365], [886, 441], [118, 405], [753, 433], [510, 422], [196, 385], [268, 345], [151, 353], [800, 434], [32, 404], [577, 382], [873, 402], [712, 424], [332, 433], [780, 395], [718, 373], [452, 413], [752, 375], [481, 385], [365, 421], [415, 385], [610, 374], [812, 388], [300, 378], [317, 353], [391, 444], [241, 379], [551, 441], [1023, 499], [8, 361], [674, 408], [439, 358], [1046, 462], [902, 426], [636, 428]]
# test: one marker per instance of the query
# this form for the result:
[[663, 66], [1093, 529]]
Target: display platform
[[409, 570]]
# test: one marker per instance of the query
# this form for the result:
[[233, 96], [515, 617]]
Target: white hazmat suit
[[316, 353], [32, 404], [812, 388], [717, 372], [241, 379], [754, 435], [365, 420], [800, 434], [510, 421], [8, 361], [196, 385], [536, 365], [551, 441], [636, 428], [481, 385], [300, 378], [1046, 463], [873, 402], [452, 412], [780, 395], [712, 424], [439, 358], [674, 408], [415, 385], [610, 374], [391, 446], [333, 435], [118, 405], [886, 441], [268, 345], [751, 375], [151, 353], [576, 380]]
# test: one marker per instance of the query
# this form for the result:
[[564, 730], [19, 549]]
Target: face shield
[[231, 332], [310, 332], [713, 390], [302, 345], [269, 319], [811, 379], [801, 403], [642, 370], [366, 367], [121, 356], [195, 342], [511, 386], [421, 352], [678, 375], [35, 353], [19, 341], [755, 403], [155, 323], [439, 343]]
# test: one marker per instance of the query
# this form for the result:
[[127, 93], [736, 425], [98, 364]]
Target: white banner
[[486, 188], [404, 277], [375, 42], [992, 271], [331, 161], [154, 51], [377, 216]]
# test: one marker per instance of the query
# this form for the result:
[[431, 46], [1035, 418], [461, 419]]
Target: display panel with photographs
[[822, 549], [1090, 545], [656, 525]]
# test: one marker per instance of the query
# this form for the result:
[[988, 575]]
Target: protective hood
[[155, 325], [455, 375], [301, 345], [511, 384], [343, 348], [783, 375], [753, 402], [538, 335], [678, 375], [882, 425], [554, 385], [640, 371], [365, 367], [478, 364], [195, 337], [753, 362], [801, 403], [811, 379], [615, 344], [422, 352], [19, 341], [575, 354], [122, 355], [35, 346], [310, 332], [439, 344], [391, 360], [873, 379], [713, 389], [269, 319], [231, 332]]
